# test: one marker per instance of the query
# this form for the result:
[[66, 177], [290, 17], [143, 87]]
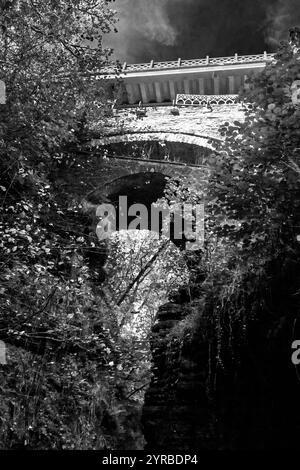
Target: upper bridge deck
[[160, 82]]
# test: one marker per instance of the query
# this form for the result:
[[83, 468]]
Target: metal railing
[[199, 100], [181, 64]]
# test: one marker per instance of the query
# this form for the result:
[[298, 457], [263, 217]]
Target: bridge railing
[[175, 64], [200, 100]]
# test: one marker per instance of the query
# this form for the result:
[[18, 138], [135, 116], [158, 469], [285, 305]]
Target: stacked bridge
[[153, 139]]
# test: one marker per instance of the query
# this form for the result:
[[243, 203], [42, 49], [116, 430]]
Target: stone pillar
[[130, 93], [2, 92], [186, 86], [144, 93], [172, 90], [216, 85], [2, 347], [246, 85], [201, 86], [158, 95], [231, 84], [238, 82]]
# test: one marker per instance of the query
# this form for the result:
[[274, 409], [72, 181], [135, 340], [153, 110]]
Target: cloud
[[141, 22], [281, 16], [168, 29]]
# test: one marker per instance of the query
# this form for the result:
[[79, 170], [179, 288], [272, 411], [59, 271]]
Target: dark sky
[[168, 29]]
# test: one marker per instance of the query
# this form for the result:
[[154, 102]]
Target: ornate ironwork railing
[[175, 64], [198, 100]]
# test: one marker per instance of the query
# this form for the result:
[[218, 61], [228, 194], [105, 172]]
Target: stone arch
[[197, 176], [143, 188], [144, 136]]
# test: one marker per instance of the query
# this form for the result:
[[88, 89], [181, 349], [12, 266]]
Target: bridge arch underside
[[121, 156], [163, 152], [156, 136], [140, 189], [140, 170]]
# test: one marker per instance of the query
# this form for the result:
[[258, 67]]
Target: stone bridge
[[140, 147], [176, 142], [195, 125], [179, 104]]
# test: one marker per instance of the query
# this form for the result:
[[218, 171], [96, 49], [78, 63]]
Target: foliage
[[74, 371], [58, 389], [252, 208], [255, 179], [142, 271]]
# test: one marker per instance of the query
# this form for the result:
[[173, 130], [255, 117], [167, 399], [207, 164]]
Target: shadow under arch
[[143, 189], [165, 153]]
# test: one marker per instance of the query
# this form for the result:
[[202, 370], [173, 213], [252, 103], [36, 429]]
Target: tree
[[255, 178], [142, 271], [253, 204], [246, 304], [49, 52], [252, 210], [51, 316]]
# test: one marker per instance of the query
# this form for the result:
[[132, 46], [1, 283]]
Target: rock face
[[249, 400], [176, 410]]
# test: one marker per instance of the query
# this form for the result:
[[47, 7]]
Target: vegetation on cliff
[[245, 303], [57, 388]]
